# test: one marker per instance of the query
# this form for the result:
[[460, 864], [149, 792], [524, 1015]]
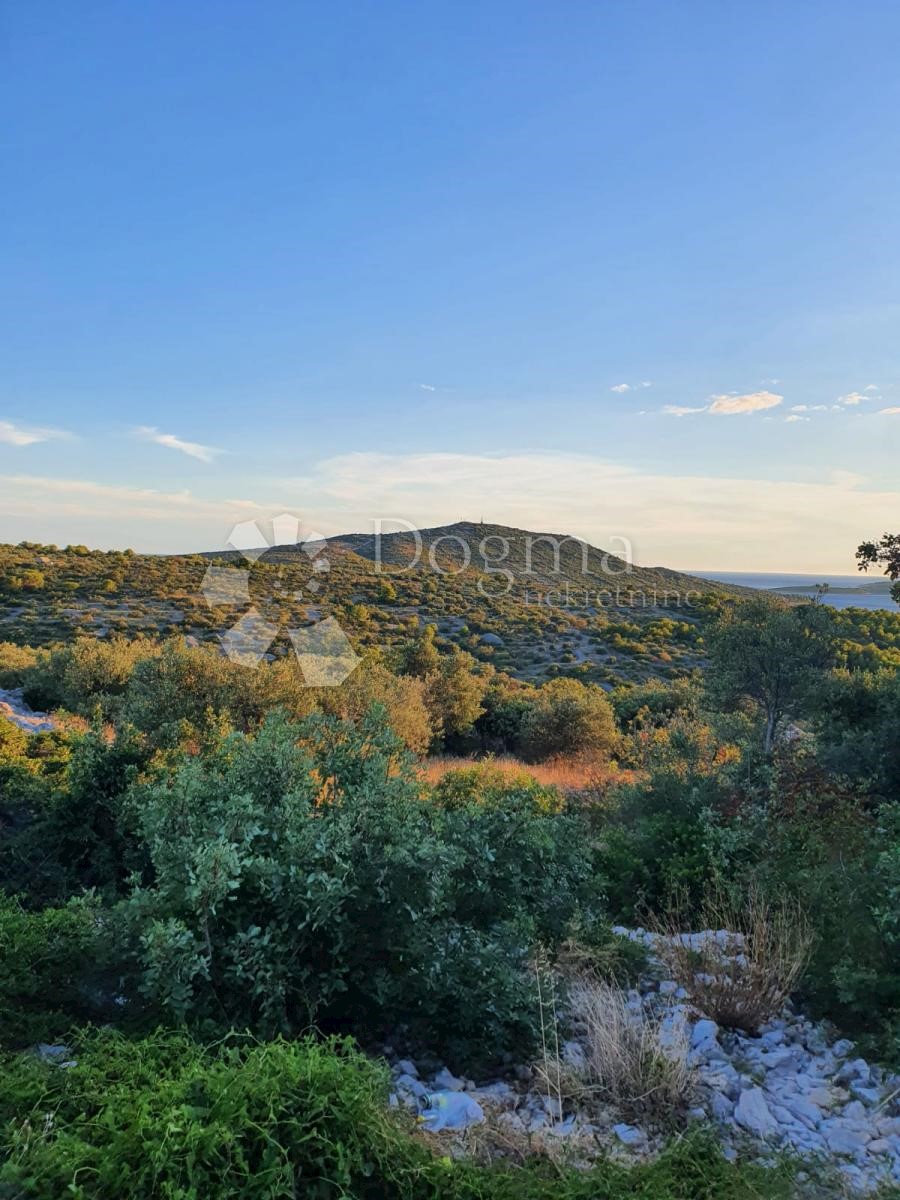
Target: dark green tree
[[771, 653], [885, 552]]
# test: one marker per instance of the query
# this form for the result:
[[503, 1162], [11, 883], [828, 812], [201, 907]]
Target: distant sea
[[764, 580]]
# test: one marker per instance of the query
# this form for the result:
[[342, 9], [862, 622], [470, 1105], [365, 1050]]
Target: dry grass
[[746, 982], [631, 1059], [567, 774]]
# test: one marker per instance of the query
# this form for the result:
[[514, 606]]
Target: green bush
[[654, 703], [46, 961], [85, 675], [14, 662], [162, 1117], [857, 718], [843, 863], [69, 829], [672, 832], [567, 717], [298, 875], [519, 853]]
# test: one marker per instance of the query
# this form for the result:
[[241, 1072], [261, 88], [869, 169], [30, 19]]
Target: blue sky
[[400, 259]]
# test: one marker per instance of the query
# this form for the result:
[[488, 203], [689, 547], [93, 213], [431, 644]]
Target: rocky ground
[[14, 708], [790, 1088]]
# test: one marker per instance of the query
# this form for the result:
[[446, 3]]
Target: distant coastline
[[844, 591]]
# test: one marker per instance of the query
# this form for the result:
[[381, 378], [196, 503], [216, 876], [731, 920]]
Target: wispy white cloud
[[803, 408], [34, 493], [12, 434], [871, 387], [427, 387], [888, 412], [727, 405], [193, 449], [621, 388], [852, 399], [116, 516], [681, 410], [733, 404], [789, 420]]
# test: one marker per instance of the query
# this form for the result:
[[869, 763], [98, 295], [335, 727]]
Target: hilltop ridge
[[543, 557]]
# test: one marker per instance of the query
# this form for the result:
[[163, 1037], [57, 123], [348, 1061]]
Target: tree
[[566, 717], [387, 593], [454, 693], [771, 653], [420, 656], [886, 551], [33, 581], [857, 715], [401, 697]]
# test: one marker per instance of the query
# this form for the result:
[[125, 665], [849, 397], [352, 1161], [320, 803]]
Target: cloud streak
[[682, 410], [728, 404], [150, 433], [622, 388], [12, 434], [732, 404]]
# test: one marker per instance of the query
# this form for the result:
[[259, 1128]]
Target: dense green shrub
[[402, 699], [520, 852], [14, 662], [505, 703], [772, 654], [85, 675], [46, 961], [163, 1118], [567, 717], [298, 875], [654, 703], [843, 863], [68, 825], [674, 830], [857, 718], [453, 693]]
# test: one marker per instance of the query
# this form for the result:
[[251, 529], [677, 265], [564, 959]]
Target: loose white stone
[[446, 1081], [629, 1135], [752, 1113]]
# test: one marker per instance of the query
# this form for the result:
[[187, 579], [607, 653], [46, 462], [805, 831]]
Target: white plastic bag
[[450, 1110]]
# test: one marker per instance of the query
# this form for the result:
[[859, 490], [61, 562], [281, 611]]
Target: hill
[[544, 560], [533, 604]]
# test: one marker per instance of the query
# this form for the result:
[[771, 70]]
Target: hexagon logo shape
[[323, 650]]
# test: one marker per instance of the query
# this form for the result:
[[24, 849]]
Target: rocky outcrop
[[790, 1087], [14, 708]]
